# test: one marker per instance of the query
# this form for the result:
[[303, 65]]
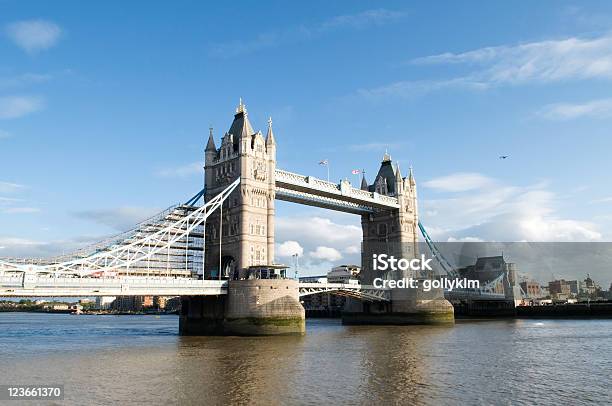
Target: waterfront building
[[590, 286], [488, 268], [343, 274], [575, 287], [159, 302], [559, 289], [327, 301], [132, 303], [314, 279], [104, 302], [532, 289]]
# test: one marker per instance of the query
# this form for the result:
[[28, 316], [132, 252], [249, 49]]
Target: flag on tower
[[323, 162], [355, 171]]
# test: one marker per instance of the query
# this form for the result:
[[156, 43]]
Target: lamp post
[[296, 259]]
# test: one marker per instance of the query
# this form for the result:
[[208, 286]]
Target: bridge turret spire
[[411, 177], [270, 136], [399, 182], [241, 126], [210, 145], [364, 182]]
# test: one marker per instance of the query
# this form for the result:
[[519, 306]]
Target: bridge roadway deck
[[16, 286]]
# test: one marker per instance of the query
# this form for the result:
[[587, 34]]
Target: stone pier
[[407, 306], [251, 307]]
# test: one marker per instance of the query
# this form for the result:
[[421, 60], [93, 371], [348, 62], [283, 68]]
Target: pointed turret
[[270, 136], [411, 177], [399, 182], [398, 173], [241, 126], [364, 182], [210, 145], [211, 150], [387, 172]]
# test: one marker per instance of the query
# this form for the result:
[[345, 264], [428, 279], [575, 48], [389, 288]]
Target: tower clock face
[[259, 172]]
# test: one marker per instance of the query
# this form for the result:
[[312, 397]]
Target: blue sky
[[105, 109]]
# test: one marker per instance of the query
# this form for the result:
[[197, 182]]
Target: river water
[[141, 360]]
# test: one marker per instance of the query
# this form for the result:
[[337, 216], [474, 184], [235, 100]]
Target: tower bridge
[[232, 233]]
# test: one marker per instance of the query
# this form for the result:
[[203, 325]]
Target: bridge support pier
[[251, 308], [202, 315], [407, 306]]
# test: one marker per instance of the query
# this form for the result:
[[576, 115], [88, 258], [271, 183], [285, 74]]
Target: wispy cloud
[[501, 212], [120, 218], [304, 32], [21, 210], [9, 187], [603, 200], [543, 61], [459, 182], [23, 80], [182, 171], [19, 106], [4, 134], [29, 248], [373, 146], [546, 61], [601, 108], [34, 35]]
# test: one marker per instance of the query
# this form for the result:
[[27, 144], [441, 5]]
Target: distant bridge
[[23, 285]]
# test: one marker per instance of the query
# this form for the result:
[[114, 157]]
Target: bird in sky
[[503, 156]]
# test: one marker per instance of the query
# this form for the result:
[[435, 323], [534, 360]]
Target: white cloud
[[363, 19], [182, 171], [567, 111], [321, 240], [288, 248], [21, 210], [373, 146], [304, 32], [353, 249], [34, 35], [8, 241], [326, 254], [8, 187], [23, 80], [459, 182], [29, 248], [533, 62], [312, 231], [541, 61], [603, 200], [19, 106], [120, 219], [504, 213]]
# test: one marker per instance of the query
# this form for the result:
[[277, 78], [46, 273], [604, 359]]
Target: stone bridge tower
[[393, 232], [240, 235], [246, 231]]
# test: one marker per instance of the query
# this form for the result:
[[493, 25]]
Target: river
[[142, 360]]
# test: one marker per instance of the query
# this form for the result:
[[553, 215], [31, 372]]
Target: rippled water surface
[[142, 360]]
